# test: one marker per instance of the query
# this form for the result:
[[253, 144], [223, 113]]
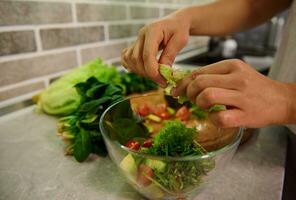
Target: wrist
[[185, 15], [291, 103]]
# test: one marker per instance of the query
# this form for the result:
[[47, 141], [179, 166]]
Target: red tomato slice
[[183, 113], [132, 144], [161, 108], [144, 110], [147, 143], [144, 171]]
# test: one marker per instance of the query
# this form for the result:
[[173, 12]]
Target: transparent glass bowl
[[176, 177]]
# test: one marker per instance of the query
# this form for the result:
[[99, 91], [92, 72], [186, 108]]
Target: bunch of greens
[[82, 127], [61, 97], [174, 139]]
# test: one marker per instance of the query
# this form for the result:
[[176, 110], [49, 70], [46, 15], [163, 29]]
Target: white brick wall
[[60, 16]]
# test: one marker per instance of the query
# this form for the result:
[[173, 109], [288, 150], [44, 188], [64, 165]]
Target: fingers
[[228, 118], [222, 67], [123, 58], [211, 96], [150, 50], [136, 57], [204, 81], [131, 58], [174, 45]]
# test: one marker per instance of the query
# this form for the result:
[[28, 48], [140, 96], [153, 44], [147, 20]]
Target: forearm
[[229, 16]]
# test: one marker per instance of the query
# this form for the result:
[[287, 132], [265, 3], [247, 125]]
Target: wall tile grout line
[[73, 12], [38, 39]]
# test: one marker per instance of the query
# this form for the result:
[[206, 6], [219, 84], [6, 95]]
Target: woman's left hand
[[252, 99]]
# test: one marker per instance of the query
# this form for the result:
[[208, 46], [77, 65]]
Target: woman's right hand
[[169, 34]]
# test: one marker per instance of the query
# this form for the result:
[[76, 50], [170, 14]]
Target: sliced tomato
[[144, 110], [132, 144], [159, 109], [183, 113], [164, 115], [144, 173], [147, 143]]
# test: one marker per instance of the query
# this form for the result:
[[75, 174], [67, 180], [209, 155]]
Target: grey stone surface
[[104, 52], [23, 69], [63, 37], [101, 12], [21, 13], [14, 42], [124, 30], [33, 166], [21, 90], [138, 12]]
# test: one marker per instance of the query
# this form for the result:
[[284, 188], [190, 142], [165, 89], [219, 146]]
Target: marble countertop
[[33, 166]]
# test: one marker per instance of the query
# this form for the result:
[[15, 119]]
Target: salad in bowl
[[166, 150]]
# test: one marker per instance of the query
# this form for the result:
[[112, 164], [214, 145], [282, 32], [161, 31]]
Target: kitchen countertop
[[33, 166]]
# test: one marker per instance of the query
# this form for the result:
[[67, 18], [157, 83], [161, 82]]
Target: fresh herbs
[[83, 125], [175, 139], [174, 177], [136, 84], [173, 77], [182, 175]]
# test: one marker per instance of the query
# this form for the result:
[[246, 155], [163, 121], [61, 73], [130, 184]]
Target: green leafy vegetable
[[216, 108], [175, 139], [123, 125], [172, 77], [61, 98], [136, 84], [82, 145], [83, 125]]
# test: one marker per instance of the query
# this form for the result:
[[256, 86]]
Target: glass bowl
[[171, 177]]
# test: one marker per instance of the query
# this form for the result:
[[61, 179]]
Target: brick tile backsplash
[[105, 52], [63, 37], [28, 13], [28, 68], [14, 42], [138, 12], [90, 12], [23, 89], [124, 30], [41, 39]]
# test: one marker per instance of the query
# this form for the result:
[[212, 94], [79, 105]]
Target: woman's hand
[[170, 34], [253, 100]]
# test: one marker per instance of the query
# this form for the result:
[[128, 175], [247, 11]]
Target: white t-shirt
[[284, 67]]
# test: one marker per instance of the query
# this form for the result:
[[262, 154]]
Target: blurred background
[[40, 40]]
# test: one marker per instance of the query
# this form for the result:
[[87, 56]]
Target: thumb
[[170, 51]]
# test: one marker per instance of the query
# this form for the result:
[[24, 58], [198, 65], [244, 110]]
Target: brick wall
[[42, 39]]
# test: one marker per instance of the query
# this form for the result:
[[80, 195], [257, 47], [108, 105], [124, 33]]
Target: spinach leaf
[[82, 146], [125, 129]]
